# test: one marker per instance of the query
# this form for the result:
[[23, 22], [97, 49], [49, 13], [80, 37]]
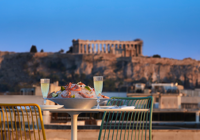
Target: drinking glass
[[98, 86], [45, 88]]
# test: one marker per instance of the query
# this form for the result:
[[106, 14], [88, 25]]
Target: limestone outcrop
[[24, 69]]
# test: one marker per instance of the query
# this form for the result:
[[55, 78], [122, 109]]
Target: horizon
[[168, 28]]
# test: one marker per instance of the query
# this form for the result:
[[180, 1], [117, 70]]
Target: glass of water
[[98, 86], [45, 88]]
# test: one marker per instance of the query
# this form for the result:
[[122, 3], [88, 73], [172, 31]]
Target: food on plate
[[79, 90]]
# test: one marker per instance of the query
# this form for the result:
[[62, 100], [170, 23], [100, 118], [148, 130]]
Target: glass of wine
[[45, 88], [98, 86]]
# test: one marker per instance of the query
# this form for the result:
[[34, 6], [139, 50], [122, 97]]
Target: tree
[[61, 51], [178, 81], [70, 50], [186, 82], [42, 50], [156, 56], [33, 49], [197, 84]]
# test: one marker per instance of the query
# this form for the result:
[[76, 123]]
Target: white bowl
[[75, 103]]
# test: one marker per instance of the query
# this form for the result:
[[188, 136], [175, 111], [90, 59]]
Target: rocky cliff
[[24, 69]]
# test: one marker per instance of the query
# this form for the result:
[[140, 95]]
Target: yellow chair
[[21, 121]]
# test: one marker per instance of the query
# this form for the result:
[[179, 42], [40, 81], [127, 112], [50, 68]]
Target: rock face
[[24, 69]]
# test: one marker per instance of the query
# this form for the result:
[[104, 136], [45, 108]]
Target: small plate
[[104, 107], [50, 106]]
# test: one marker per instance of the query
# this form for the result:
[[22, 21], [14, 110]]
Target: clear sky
[[170, 28]]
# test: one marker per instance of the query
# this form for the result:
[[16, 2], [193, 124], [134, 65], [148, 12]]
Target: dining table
[[75, 112]]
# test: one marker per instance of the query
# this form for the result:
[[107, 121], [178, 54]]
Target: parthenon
[[119, 48]]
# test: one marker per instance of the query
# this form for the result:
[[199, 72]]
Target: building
[[119, 48], [165, 88], [27, 91]]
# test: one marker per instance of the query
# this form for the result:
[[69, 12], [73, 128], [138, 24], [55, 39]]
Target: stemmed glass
[[45, 88], [98, 86]]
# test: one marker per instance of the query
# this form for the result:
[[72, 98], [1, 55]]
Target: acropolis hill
[[24, 69]]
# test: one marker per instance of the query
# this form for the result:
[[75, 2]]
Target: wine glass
[[45, 88], [98, 86]]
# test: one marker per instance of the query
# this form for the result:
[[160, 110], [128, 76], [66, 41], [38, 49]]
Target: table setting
[[80, 98], [75, 96]]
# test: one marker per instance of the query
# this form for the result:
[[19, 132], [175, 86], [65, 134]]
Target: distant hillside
[[24, 69]]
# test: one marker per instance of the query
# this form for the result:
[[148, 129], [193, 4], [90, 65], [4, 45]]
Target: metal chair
[[132, 125], [21, 121]]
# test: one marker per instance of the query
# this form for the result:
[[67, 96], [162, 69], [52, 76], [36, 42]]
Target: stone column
[[125, 50], [102, 48], [117, 51], [136, 50], [141, 49], [86, 48], [83, 48], [79, 48], [90, 48], [109, 48], [118, 46], [106, 48], [122, 50], [113, 48], [95, 50], [98, 51]]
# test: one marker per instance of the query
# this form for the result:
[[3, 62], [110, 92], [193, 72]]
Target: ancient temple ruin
[[119, 48]]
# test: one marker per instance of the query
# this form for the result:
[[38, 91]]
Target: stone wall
[[25, 69], [54, 134]]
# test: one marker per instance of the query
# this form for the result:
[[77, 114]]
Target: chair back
[[128, 125], [21, 121]]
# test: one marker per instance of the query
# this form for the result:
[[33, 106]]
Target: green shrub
[[70, 50], [33, 49], [156, 56]]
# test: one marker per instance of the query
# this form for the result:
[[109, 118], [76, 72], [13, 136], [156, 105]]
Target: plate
[[76, 103], [104, 107], [50, 106]]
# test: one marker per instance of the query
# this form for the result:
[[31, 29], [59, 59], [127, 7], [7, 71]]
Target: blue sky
[[170, 28]]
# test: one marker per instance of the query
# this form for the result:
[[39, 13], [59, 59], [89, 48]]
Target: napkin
[[122, 107], [127, 107]]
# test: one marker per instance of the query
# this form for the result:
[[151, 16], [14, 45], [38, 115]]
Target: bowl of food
[[76, 96], [76, 103]]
